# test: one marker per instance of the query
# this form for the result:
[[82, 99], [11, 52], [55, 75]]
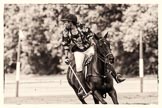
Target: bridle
[[103, 58], [105, 61]]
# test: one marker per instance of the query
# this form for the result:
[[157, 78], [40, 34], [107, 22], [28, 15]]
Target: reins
[[105, 65], [104, 60]]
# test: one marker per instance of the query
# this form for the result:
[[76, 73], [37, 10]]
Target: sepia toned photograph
[[71, 53]]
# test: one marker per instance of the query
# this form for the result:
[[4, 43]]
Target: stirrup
[[80, 92]]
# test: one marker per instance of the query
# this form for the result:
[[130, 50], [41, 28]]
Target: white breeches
[[79, 57]]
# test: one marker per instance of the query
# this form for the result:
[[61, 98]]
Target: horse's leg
[[82, 100], [79, 97], [95, 100], [76, 92], [99, 97], [113, 95]]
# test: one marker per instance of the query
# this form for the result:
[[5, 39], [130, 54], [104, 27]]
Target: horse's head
[[104, 50]]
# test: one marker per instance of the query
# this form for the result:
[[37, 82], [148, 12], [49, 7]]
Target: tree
[[41, 48], [136, 19]]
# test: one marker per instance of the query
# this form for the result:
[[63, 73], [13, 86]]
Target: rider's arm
[[90, 35], [66, 42], [66, 53]]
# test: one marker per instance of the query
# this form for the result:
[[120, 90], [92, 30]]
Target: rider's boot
[[117, 77], [80, 90]]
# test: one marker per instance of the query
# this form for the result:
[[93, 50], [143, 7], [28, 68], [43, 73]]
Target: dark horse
[[98, 78]]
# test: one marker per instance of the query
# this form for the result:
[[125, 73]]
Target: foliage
[[41, 51], [137, 20]]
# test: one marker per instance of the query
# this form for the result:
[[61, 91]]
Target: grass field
[[55, 90], [124, 98]]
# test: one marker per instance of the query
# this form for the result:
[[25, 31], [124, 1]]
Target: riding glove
[[66, 60]]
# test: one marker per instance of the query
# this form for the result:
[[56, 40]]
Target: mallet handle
[[77, 79]]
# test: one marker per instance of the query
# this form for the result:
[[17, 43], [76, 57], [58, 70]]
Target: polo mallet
[[86, 94]]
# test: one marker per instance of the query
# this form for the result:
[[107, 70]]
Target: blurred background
[[41, 50]]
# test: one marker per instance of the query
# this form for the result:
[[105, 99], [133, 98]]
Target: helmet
[[70, 17]]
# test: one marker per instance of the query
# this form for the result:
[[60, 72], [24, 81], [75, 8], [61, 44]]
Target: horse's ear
[[106, 35]]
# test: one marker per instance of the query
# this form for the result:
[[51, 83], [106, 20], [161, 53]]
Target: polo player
[[79, 39]]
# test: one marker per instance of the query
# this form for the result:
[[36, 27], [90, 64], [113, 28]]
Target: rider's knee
[[79, 68]]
